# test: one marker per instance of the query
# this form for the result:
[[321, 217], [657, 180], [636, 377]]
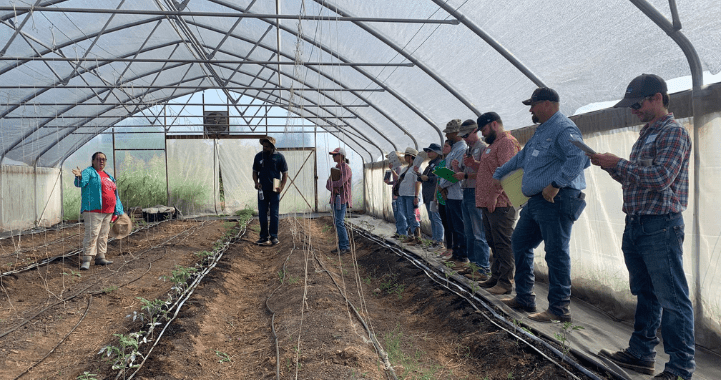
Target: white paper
[[581, 145]]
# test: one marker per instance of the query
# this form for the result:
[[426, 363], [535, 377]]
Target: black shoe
[[513, 304], [665, 375], [274, 241], [626, 360], [262, 241]]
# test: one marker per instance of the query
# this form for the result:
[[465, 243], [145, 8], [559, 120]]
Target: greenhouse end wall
[[30, 197]]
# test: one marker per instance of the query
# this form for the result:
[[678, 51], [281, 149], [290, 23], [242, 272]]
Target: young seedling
[[474, 270], [562, 336], [224, 358], [110, 289], [123, 357], [281, 276], [87, 376]]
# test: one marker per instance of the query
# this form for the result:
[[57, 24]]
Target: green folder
[[446, 174]]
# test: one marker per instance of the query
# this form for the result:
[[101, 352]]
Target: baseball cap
[[541, 94], [640, 87], [340, 151], [486, 118]]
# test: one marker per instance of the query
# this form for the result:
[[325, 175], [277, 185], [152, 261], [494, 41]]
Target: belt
[[647, 218]]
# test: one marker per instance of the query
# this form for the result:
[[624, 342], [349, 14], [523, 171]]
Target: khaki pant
[[97, 226]]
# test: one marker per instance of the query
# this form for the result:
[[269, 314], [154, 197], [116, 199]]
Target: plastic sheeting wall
[[599, 274], [236, 165], [27, 203], [193, 176]]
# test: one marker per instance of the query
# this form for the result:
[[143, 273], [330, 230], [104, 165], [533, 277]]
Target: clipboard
[[511, 184], [334, 174], [276, 184], [420, 158], [581, 145], [446, 174], [394, 160]]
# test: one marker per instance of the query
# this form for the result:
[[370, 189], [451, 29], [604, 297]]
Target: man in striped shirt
[[553, 179], [655, 192]]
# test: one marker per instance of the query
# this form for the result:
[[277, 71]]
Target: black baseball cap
[[488, 117], [640, 87], [541, 94]]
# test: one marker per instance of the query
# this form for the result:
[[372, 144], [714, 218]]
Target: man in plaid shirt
[[655, 192]]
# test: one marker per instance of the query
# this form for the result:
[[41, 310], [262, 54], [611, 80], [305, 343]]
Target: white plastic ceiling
[[65, 76]]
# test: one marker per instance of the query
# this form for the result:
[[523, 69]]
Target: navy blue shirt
[[269, 166]]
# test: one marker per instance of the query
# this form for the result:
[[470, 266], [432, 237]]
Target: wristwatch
[[465, 175]]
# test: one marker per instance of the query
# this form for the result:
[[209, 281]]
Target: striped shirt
[[548, 157], [655, 178], [342, 186]]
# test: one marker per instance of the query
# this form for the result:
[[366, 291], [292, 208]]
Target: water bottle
[[260, 194], [337, 202]]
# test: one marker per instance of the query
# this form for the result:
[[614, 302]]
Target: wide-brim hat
[[640, 87], [269, 139], [122, 227], [468, 126], [453, 126], [410, 152], [434, 148]]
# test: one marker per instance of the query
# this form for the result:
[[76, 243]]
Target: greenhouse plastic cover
[[588, 51]]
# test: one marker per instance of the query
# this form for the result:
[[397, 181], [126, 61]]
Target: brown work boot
[[547, 316], [499, 289], [514, 304]]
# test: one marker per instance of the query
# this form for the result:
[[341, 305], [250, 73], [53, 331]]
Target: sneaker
[[624, 359], [345, 251], [262, 241], [667, 376], [547, 316], [499, 289], [274, 241], [513, 304]]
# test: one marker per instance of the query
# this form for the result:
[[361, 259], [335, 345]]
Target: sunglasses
[[637, 106], [467, 134]]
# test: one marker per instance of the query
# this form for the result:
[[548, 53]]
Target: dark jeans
[[476, 245], [550, 223], [454, 214], [270, 202], [652, 247], [447, 230], [498, 226]]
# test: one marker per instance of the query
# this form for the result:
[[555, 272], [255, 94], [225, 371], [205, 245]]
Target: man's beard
[[535, 119], [490, 138]]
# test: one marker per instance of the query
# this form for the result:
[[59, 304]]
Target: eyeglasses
[[637, 106], [101, 159], [467, 134]]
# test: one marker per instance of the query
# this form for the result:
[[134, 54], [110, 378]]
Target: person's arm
[[417, 191], [672, 147], [575, 161], [283, 179], [82, 179], [345, 176], [255, 180]]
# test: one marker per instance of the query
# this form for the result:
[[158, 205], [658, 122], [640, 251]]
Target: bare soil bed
[[226, 329]]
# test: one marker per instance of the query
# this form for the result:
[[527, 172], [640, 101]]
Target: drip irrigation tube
[[185, 295], [462, 292], [49, 260]]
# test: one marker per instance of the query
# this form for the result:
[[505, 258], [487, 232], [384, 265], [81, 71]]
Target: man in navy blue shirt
[[553, 179], [268, 165]]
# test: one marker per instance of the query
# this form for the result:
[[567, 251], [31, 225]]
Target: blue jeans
[[410, 212], [551, 223], [476, 245], [454, 214], [339, 219], [652, 247], [271, 200], [436, 224], [400, 215]]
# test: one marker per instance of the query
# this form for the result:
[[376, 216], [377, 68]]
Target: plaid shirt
[[655, 178]]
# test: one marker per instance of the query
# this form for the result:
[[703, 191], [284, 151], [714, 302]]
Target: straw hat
[[122, 227]]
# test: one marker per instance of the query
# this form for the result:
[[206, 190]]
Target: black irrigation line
[[90, 300], [184, 296], [462, 292], [66, 299], [38, 230], [49, 260], [28, 249]]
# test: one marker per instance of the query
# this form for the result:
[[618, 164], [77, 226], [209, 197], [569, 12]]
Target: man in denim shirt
[[553, 179], [655, 192]]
